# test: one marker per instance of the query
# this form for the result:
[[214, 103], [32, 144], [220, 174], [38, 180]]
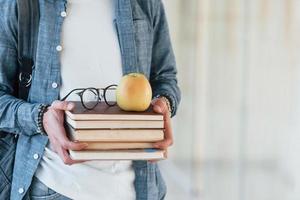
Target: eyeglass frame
[[82, 90]]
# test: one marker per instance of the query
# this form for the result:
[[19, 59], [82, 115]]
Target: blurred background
[[237, 132]]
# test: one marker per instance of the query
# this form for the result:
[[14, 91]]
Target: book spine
[[117, 145]]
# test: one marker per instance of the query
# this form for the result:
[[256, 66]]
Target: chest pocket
[[143, 34]]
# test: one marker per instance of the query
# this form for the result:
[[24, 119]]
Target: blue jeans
[[39, 191]]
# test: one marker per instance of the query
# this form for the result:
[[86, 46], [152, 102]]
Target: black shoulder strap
[[28, 23]]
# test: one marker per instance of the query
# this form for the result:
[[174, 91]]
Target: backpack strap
[[28, 23]]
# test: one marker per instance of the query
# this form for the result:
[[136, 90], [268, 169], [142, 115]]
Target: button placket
[[61, 16]]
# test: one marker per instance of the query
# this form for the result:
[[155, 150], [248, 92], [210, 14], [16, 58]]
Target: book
[[117, 124], [142, 154], [118, 145], [115, 135], [104, 112]]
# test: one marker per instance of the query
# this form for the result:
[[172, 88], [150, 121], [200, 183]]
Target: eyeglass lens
[[109, 95], [90, 98]]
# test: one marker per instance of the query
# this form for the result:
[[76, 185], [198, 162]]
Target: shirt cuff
[[42, 109], [27, 116]]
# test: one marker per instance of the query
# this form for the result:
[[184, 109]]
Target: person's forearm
[[163, 67], [169, 91], [18, 116]]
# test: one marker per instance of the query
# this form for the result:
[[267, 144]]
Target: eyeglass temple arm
[[65, 97], [108, 87]]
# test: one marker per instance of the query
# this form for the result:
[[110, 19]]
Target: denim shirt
[[147, 49]]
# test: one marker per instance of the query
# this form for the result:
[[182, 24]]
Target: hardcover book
[[115, 135], [118, 145], [116, 124], [113, 113], [143, 154]]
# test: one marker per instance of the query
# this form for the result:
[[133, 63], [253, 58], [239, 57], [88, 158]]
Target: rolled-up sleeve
[[16, 115], [163, 67]]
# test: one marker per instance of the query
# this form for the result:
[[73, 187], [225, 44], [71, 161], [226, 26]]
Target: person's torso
[[47, 76], [90, 57]]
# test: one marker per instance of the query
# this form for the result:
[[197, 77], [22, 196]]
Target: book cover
[[105, 112]]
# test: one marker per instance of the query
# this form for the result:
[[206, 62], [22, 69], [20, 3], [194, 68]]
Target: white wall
[[239, 71], [247, 54]]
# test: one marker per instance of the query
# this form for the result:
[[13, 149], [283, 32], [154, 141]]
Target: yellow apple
[[134, 92]]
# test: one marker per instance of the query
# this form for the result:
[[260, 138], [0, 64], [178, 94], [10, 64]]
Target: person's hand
[[53, 122], [160, 106]]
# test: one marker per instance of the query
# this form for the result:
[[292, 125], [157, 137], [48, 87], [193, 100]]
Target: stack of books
[[114, 134]]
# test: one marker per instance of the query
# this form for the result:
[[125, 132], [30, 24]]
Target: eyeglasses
[[90, 97]]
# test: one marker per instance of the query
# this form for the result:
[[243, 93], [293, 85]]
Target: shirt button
[[36, 156], [54, 85], [58, 48], [21, 190], [63, 14]]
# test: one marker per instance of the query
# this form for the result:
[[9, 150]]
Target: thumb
[[63, 105], [157, 109]]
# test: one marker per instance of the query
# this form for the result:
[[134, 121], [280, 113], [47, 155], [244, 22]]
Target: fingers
[[64, 155], [155, 161], [160, 106], [62, 105], [57, 133], [168, 137], [163, 144], [76, 146], [61, 144], [67, 144], [157, 109]]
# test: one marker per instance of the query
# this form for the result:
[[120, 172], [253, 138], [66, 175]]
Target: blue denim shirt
[[146, 50]]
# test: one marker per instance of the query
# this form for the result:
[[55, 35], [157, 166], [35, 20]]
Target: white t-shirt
[[90, 57]]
